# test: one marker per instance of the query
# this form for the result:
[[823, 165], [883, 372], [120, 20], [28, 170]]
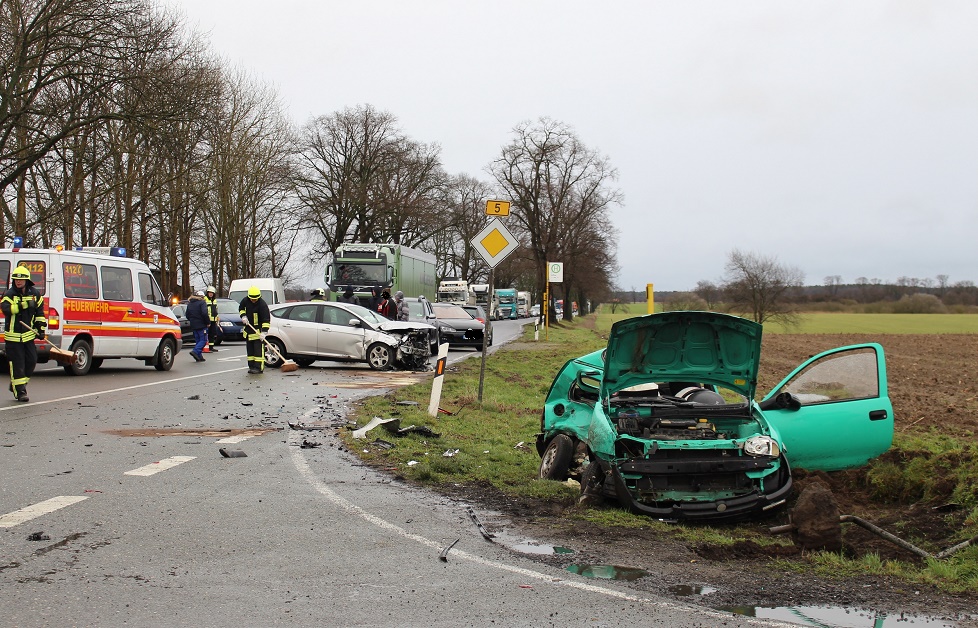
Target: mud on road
[[932, 382]]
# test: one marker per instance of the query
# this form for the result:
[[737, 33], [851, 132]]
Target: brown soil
[[932, 384]]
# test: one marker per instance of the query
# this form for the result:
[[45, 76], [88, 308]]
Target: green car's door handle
[[877, 415]]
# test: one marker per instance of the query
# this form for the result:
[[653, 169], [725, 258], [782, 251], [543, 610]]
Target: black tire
[[166, 355], [556, 458], [97, 363], [272, 360], [380, 356], [304, 362], [82, 363]]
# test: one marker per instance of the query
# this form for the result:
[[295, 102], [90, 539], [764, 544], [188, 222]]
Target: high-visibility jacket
[[211, 307], [256, 312], [23, 324]]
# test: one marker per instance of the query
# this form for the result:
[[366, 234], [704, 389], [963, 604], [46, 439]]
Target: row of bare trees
[[118, 128]]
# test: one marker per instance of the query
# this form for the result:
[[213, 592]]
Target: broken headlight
[[761, 446]]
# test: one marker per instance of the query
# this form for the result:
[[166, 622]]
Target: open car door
[[845, 417]]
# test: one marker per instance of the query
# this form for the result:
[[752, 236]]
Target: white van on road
[[272, 289], [99, 306]]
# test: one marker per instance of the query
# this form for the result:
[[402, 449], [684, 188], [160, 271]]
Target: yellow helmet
[[21, 272], [254, 292]]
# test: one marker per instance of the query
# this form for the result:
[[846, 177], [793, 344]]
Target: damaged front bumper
[[694, 488]]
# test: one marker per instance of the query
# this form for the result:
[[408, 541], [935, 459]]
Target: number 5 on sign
[[497, 208]]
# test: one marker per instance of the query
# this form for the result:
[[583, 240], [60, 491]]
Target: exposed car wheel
[[272, 360], [166, 355], [304, 362], [557, 458], [83, 358], [380, 356]]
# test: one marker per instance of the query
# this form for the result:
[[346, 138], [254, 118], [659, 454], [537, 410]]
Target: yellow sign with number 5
[[497, 208]]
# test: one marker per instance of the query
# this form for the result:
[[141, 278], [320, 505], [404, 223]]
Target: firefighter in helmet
[[256, 319], [23, 308], [214, 329]]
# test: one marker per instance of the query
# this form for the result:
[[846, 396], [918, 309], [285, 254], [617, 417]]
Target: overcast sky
[[839, 137]]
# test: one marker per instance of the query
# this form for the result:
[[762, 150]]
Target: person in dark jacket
[[374, 299], [199, 320], [23, 307], [348, 296], [257, 320]]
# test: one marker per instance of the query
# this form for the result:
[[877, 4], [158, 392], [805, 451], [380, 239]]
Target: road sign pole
[[482, 368]]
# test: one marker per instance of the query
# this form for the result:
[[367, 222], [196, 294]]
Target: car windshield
[[450, 311], [371, 317], [227, 307]]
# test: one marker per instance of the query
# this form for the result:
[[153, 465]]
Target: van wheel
[[165, 355], [96, 363], [82, 363], [556, 459]]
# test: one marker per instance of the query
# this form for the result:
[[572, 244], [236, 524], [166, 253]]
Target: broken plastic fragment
[[411, 463], [374, 422], [449, 453]]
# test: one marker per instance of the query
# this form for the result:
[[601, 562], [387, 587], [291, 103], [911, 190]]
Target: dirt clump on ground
[[932, 384]]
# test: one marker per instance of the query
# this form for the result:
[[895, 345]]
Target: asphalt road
[[140, 520]]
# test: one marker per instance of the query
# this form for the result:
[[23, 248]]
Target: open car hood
[[694, 347]]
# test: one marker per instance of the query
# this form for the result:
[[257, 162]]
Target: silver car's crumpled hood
[[402, 326]]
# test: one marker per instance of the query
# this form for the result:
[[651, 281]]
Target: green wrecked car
[[664, 419]]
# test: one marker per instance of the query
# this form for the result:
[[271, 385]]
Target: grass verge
[[493, 443]]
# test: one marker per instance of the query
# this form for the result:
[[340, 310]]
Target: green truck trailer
[[391, 266]]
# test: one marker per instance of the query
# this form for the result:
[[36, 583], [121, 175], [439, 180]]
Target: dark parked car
[[318, 330], [664, 419], [457, 327], [228, 318], [180, 312], [479, 314]]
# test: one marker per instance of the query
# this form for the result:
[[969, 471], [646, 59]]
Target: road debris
[[308, 444], [443, 557], [232, 453], [40, 536], [374, 422], [478, 524], [449, 453]]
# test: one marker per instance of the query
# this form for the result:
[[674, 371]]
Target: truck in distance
[[453, 290], [364, 266]]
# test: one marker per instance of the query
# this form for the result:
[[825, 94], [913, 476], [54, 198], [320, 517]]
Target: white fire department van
[[99, 306]]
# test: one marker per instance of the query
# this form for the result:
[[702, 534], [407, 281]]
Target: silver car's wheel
[[271, 359], [556, 458], [380, 356]]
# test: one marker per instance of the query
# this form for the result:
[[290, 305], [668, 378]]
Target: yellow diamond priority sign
[[494, 243]]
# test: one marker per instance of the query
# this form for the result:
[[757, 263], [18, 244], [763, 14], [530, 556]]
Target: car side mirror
[[781, 401], [354, 322]]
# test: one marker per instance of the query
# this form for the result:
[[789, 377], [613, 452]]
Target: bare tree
[[556, 185], [360, 179], [709, 292], [759, 287]]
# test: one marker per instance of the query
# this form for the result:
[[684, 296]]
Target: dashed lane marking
[[27, 513], [162, 465]]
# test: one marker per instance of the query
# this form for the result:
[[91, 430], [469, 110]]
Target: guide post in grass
[[439, 378]]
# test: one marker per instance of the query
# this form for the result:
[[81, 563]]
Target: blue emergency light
[[18, 242]]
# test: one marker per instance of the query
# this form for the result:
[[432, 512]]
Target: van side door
[[155, 318], [120, 317]]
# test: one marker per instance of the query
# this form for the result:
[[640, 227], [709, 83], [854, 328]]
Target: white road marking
[[230, 440], [162, 465], [306, 472], [112, 390], [17, 517]]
